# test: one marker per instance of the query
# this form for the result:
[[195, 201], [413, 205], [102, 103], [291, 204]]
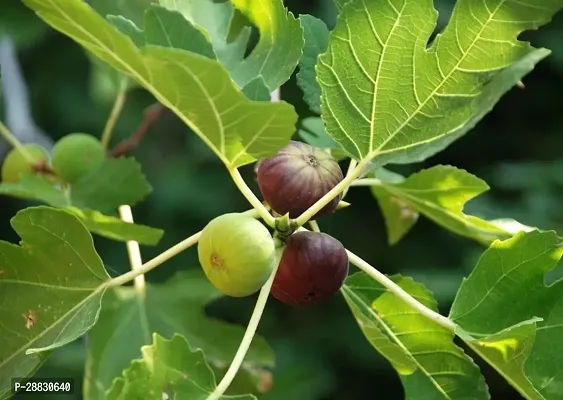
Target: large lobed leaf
[[168, 369], [422, 352], [385, 94], [274, 58], [51, 287], [198, 89], [129, 319], [508, 315]]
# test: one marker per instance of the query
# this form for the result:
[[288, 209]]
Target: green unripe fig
[[76, 155], [16, 163], [237, 254]]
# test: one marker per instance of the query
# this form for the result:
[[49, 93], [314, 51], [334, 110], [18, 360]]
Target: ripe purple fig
[[312, 268], [297, 177]]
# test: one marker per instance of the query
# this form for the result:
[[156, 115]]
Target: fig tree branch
[[163, 257], [398, 291], [151, 114]]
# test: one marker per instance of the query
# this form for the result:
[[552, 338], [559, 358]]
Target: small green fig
[[76, 155], [16, 164], [237, 254]]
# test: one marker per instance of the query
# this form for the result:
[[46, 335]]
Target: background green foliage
[[321, 353]]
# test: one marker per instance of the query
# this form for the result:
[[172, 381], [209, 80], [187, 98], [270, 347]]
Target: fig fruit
[[16, 164], [312, 268], [76, 155], [237, 254], [297, 177]]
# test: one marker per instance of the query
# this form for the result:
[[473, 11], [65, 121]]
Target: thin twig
[[115, 113], [150, 116]]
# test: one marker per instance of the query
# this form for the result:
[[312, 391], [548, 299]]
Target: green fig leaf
[[279, 48], [38, 187], [169, 368], [315, 33], [418, 348], [238, 130], [443, 90], [168, 28], [439, 193], [273, 59], [506, 312], [127, 322], [116, 182], [51, 287], [35, 187], [115, 228]]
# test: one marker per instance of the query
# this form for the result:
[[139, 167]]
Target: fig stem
[[14, 142], [330, 195], [248, 334], [400, 293], [367, 182], [133, 250], [314, 226], [251, 197], [163, 257], [115, 112], [353, 164]]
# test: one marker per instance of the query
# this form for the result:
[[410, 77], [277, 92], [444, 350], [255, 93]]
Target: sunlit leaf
[[279, 48], [128, 320], [168, 369], [385, 94], [194, 87], [505, 302], [439, 193], [422, 352], [51, 287]]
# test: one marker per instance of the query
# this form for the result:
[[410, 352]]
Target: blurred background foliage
[[321, 353]]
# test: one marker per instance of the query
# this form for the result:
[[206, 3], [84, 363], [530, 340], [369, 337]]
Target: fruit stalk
[[335, 191], [248, 334], [162, 258], [14, 142], [251, 197]]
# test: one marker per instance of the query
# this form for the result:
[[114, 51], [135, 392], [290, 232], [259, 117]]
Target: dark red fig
[[312, 268], [297, 177]]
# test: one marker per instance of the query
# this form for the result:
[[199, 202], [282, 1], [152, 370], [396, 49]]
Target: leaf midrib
[[374, 152]]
